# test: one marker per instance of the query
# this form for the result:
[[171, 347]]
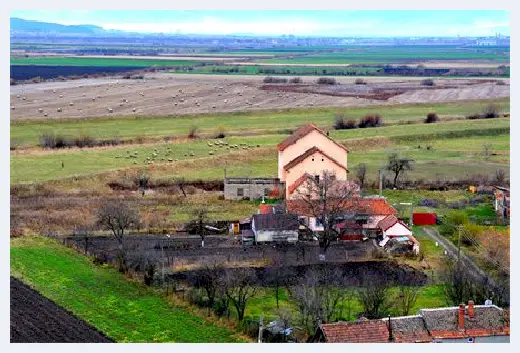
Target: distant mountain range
[[20, 26]]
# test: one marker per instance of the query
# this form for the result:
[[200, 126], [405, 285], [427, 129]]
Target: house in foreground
[[471, 324], [275, 227]]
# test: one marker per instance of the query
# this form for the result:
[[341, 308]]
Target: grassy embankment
[[124, 310]]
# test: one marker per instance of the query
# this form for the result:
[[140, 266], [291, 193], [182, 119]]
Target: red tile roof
[[298, 182], [301, 132], [387, 222], [370, 331], [265, 209], [373, 207], [309, 153]]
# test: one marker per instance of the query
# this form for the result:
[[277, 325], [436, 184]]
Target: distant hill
[[21, 26]]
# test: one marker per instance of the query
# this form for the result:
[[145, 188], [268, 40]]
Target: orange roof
[[309, 153], [369, 331], [301, 132], [266, 209], [298, 182], [375, 207]]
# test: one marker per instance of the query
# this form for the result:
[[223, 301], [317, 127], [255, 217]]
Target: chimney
[[471, 309], [461, 316]]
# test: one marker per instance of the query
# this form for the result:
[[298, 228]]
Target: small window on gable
[[322, 159], [313, 159]]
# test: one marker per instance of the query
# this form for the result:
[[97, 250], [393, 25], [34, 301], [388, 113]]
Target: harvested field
[[169, 94], [37, 319]]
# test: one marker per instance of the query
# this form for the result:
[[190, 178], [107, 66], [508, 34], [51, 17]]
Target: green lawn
[[77, 61], [264, 122], [123, 310]]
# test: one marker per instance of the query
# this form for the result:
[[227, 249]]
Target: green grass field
[[76, 61], [264, 122], [395, 55], [125, 311], [448, 157]]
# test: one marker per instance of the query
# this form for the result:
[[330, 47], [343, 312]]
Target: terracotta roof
[[309, 153], [387, 222], [276, 221], [373, 207], [487, 321], [266, 209], [301, 132], [370, 331], [298, 182]]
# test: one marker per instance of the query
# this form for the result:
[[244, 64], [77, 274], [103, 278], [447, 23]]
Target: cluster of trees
[[491, 111], [342, 123]]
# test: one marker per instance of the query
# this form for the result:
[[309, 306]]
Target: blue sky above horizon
[[381, 23]]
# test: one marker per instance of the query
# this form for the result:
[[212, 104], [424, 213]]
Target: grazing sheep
[[225, 101], [45, 114], [12, 108], [121, 104], [214, 107], [110, 110], [134, 110], [53, 91], [17, 96], [61, 95], [24, 98], [59, 110], [210, 153], [71, 104]]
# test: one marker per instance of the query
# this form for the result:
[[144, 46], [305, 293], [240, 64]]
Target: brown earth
[[163, 94]]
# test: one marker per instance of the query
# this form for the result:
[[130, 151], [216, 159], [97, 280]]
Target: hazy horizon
[[359, 23]]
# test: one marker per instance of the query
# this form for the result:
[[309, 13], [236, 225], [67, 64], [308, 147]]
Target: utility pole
[[380, 183], [260, 328], [458, 245]]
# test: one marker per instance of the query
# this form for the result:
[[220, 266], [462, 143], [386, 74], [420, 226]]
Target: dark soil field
[[36, 319], [26, 72]]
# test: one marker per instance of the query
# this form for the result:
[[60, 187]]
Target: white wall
[[397, 230]]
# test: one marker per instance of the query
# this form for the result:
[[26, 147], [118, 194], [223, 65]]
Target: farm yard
[[162, 142]]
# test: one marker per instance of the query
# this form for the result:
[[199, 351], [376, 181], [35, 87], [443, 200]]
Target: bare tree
[[118, 217], [406, 298], [84, 233], [486, 149], [375, 299], [361, 173], [200, 215], [500, 177], [328, 200], [180, 182], [398, 165], [240, 286], [457, 283], [208, 278]]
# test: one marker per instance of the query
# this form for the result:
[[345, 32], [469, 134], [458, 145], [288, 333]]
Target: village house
[[395, 233], [252, 188], [361, 214], [471, 323], [309, 151]]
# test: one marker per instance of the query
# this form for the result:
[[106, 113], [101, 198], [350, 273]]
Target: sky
[[364, 23]]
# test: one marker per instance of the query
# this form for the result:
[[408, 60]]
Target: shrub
[[490, 111], [428, 82], [221, 133], [501, 83], [339, 122], [271, 79], [193, 133], [360, 81], [431, 118], [296, 80], [14, 145], [326, 81], [370, 121], [474, 116]]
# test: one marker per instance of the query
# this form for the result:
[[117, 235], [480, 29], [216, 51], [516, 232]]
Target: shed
[[275, 227]]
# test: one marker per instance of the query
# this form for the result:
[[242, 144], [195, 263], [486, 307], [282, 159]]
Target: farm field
[[134, 61], [259, 122], [400, 55], [122, 309], [171, 94], [259, 154]]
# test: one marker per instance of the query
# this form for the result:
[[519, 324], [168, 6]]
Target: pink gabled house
[[309, 152]]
